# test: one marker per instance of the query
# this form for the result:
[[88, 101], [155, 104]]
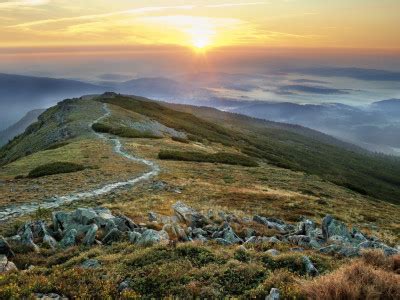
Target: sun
[[201, 42], [201, 36]]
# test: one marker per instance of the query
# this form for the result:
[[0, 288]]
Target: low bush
[[126, 132], [220, 157], [55, 168], [362, 279]]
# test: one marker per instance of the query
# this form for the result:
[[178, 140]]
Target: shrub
[[126, 132], [358, 280], [220, 157], [55, 168]]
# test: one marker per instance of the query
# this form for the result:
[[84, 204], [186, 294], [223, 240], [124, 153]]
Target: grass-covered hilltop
[[122, 197]]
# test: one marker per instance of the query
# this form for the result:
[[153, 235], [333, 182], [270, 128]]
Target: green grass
[[221, 157], [123, 131], [291, 147], [55, 168]]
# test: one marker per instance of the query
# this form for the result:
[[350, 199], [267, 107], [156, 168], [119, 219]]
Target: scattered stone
[[272, 252], [188, 215], [51, 296], [309, 266], [274, 294], [151, 237], [6, 265], [90, 264]]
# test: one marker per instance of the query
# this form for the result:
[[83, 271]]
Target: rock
[[175, 232], [230, 236], [124, 224], [274, 294], [49, 241], [27, 239], [301, 240], [153, 217], [309, 266], [5, 248], [90, 264], [151, 237], [90, 236], [188, 215], [6, 265], [124, 285], [134, 237], [113, 236], [306, 227], [222, 242], [199, 231], [271, 223], [51, 296], [376, 245], [272, 252], [69, 239], [331, 227]]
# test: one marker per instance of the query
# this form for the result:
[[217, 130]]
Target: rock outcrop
[[95, 226]]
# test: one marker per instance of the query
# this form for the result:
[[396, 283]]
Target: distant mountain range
[[19, 127], [375, 127]]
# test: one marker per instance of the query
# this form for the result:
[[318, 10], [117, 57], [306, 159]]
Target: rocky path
[[24, 209]]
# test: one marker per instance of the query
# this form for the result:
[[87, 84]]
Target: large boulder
[[90, 236], [189, 215], [69, 239], [332, 227]]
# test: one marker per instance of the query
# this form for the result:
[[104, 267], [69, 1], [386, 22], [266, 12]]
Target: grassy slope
[[189, 270], [68, 120], [285, 146]]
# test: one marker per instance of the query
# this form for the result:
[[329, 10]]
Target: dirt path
[[24, 209]]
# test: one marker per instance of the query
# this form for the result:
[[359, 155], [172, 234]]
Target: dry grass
[[374, 276]]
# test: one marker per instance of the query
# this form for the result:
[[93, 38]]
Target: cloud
[[22, 4], [137, 11], [355, 73], [307, 89], [234, 4]]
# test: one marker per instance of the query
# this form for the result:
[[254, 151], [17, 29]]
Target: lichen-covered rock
[[50, 241], [69, 239], [90, 236], [271, 223], [309, 266], [27, 239], [113, 236], [272, 252], [134, 237], [189, 215], [331, 227], [274, 294], [6, 265], [90, 264], [151, 237]]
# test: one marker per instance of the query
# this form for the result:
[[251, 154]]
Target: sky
[[272, 23], [88, 40]]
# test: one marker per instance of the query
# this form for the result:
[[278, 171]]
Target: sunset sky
[[201, 24]]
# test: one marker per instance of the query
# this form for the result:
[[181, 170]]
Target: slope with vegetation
[[205, 157]]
